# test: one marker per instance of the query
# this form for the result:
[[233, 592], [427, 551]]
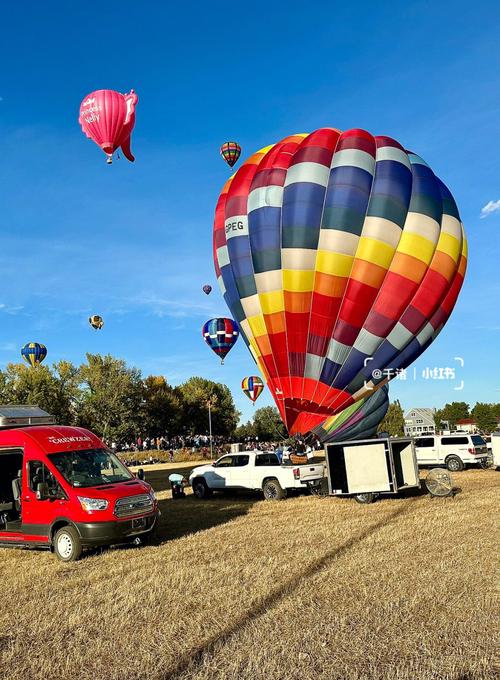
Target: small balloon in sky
[[220, 334], [33, 353], [230, 152], [108, 118]]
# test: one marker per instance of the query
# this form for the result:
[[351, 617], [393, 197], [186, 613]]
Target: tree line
[[485, 416], [116, 402]]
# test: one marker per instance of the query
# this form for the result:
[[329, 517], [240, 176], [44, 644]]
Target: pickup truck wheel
[[454, 464], [67, 544], [272, 490], [201, 490]]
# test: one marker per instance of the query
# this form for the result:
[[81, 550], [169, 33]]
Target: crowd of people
[[166, 447]]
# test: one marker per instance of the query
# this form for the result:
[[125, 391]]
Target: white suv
[[454, 450]]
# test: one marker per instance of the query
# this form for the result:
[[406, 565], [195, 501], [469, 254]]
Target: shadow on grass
[[193, 659], [188, 515]]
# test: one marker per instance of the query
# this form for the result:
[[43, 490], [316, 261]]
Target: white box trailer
[[495, 448], [364, 469]]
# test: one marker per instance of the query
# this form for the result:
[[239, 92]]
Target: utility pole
[[210, 427]]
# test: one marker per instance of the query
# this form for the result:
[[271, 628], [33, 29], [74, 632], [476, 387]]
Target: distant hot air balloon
[[341, 256], [358, 421], [96, 321], [220, 335], [34, 353], [207, 289], [252, 387], [108, 117], [230, 152]]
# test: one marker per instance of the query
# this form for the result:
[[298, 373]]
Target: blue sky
[[133, 241]]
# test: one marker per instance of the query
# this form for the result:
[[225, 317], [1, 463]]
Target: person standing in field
[[171, 455]]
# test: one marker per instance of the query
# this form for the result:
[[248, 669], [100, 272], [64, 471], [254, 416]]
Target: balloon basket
[[109, 160]]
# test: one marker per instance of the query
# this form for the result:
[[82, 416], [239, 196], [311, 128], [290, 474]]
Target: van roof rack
[[20, 416]]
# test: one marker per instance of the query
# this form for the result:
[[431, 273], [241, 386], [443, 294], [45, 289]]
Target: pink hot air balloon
[[108, 117]]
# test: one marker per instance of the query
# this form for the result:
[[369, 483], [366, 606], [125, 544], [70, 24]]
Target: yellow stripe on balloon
[[416, 246], [450, 245], [375, 251], [272, 302], [296, 281], [336, 264]]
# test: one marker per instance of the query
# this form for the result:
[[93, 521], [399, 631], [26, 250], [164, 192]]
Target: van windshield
[[90, 467]]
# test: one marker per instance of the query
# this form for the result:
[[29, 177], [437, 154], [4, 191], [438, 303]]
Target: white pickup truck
[[255, 470]]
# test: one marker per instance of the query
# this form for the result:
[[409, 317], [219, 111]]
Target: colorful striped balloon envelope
[[220, 334], [252, 387], [341, 256], [358, 421], [230, 152], [34, 353]]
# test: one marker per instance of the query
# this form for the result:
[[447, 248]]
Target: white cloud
[[490, 207]]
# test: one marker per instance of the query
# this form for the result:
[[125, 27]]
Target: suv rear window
[[477, 440], [454, 441]]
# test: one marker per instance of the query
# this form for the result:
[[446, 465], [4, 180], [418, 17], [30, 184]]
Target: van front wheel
[[67, 544], [454, 464]]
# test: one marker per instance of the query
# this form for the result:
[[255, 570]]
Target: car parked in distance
[[454, 450]]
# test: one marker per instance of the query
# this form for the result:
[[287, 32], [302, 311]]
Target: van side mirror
[[42, 491]]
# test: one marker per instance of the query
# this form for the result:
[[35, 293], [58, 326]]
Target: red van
[[62, 489]]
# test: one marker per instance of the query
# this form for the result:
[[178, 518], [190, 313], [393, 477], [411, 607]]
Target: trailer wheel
[[364, 498], [272, 490], [67, 544], [201, 490], [454, 464]]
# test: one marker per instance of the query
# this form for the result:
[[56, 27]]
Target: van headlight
[[91, 504]]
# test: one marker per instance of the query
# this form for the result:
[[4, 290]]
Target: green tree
[[195, 394], [451, 413], [244, 430], [111, 402], [267, 424], [394, 422], [53, 389], [485, 417], [162, 407]]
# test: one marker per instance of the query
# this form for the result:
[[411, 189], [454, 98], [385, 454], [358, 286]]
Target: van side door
[[37, 515]]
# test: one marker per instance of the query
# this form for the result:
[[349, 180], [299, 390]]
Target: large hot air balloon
[[108, 117], [358, 421], [252, 387], [341, 256], [207, 289], [220, 334], [96, 321], [33, 353], [230, 152]]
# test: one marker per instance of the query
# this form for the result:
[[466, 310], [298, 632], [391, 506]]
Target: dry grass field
[[311, 587]]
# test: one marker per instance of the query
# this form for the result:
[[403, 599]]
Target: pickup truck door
[[266, 465], [240, 472], [220, 474]]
